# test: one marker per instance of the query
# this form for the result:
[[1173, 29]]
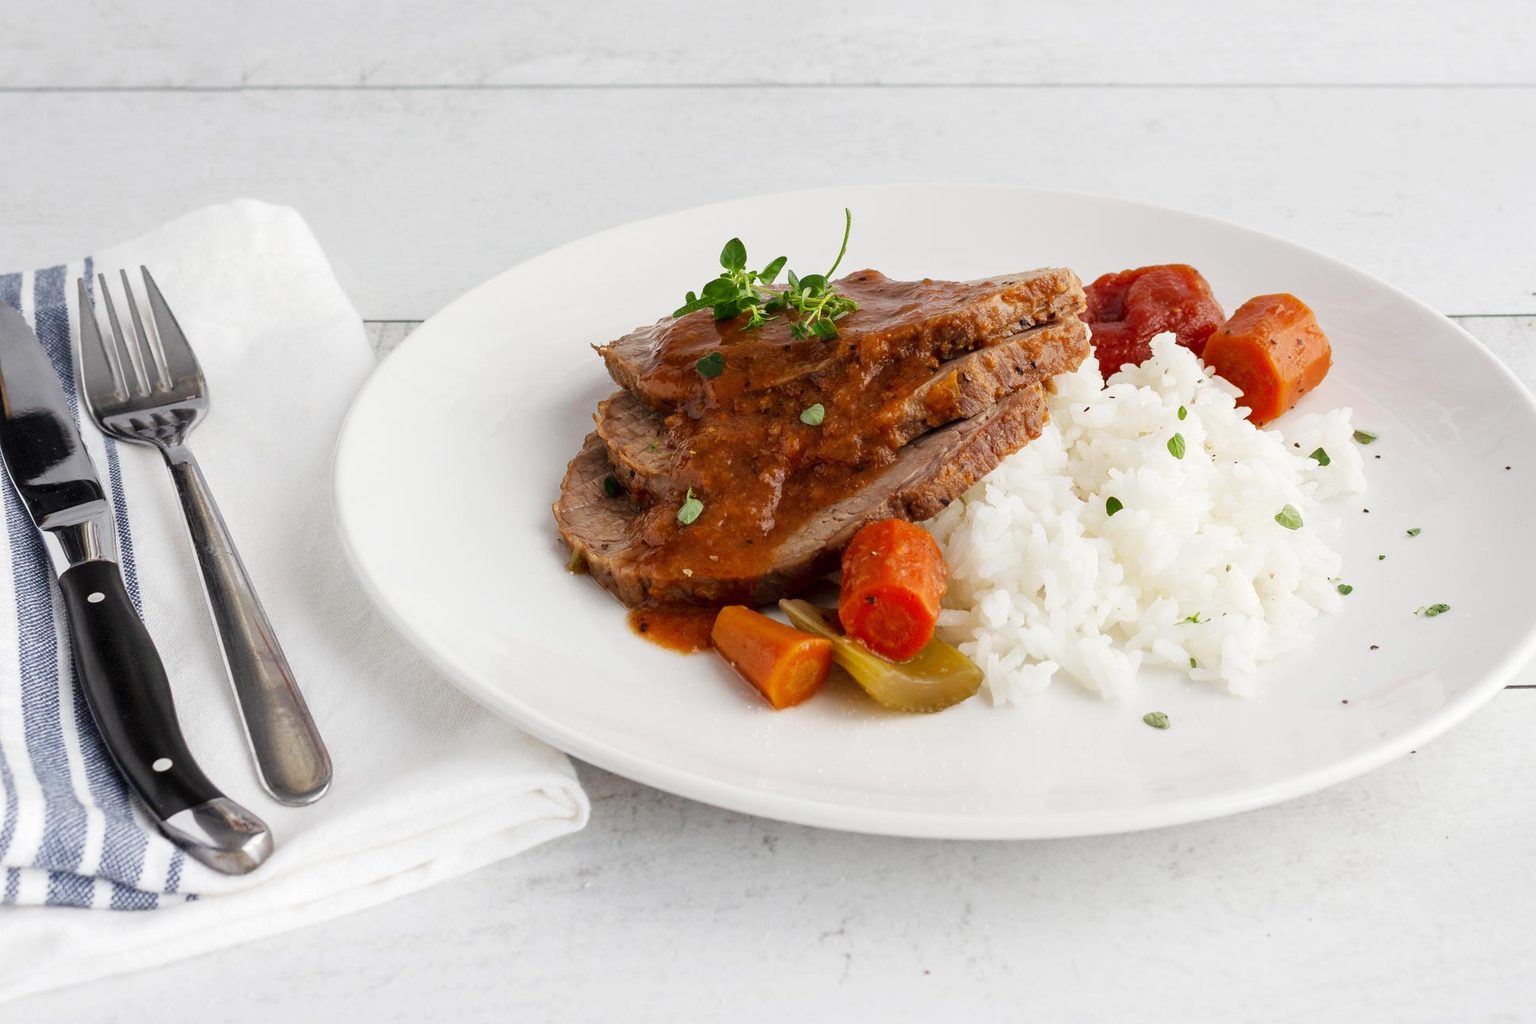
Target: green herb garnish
[[1183, 412], [1195, 619], [1112, 506], [738, 290], [1192, 663], [611, 487], [1413, 531], [1176, 446], [1381, 558], [1364, 436], [1346, 589], [1433, 610], [812, 415], [1156, 719], [1320, 457], [691, 509], [814, 298], [711, 366], [1289, 518]]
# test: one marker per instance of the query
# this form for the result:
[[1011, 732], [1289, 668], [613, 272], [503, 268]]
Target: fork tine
[[99, 368], [149, 343], [135, 357], [176, 351]]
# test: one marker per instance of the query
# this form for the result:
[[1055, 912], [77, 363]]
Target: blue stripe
[[10, 294], [63, 840], [12, 884], [70, 890], [173, 873], [64, 826], [124, 898]]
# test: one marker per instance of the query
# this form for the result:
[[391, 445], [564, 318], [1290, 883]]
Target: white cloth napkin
[[427, 785]]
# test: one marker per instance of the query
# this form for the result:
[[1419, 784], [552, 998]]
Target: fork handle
[[290, 756]]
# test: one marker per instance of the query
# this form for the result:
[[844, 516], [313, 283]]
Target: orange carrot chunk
[[785, 665], [1273, 349], [893, 579]]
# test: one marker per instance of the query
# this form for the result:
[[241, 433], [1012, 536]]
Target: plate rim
[[821, 813]]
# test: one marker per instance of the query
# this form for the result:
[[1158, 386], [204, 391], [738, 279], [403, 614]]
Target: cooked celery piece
[[936, 678]]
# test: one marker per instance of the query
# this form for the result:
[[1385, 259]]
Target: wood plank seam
[[638, 86]]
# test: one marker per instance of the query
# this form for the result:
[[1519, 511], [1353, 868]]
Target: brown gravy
[[682, 629], [758, 470]]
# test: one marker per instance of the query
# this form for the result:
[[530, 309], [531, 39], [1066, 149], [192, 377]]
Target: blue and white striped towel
[[70, 836], [427, 785]]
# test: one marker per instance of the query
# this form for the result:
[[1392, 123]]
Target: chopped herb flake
[[1413, 531], [691, 509], [1112, 506], [611, 486], [1156, 719], [1289, 518], [1183, 412], [1192, 663], [813, 415], [1195, 619], [1381, 558], [1433, 610], [1346, 589], [1364, 436], [711, 366], [1320, 457], [1176, 446]]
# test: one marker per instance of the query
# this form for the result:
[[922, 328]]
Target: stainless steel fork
[[149, 389]]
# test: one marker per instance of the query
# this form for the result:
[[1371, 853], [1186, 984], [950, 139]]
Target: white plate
[[452, 454]]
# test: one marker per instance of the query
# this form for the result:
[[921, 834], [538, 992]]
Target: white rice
[[1193, 573]]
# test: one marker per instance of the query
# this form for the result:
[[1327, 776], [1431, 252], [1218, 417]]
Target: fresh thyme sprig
[[739, 290]]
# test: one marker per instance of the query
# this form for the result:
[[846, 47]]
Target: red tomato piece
[[1127, 309]]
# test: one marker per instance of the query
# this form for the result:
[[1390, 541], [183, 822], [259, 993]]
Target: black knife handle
[[130, 700]]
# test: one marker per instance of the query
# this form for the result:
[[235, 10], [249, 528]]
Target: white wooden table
[[432, 145]]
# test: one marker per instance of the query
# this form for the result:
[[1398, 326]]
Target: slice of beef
[[927, 474], [641, 450], [895, 321], [644, 450]]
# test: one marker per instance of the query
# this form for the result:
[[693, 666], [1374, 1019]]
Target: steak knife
[[120, 671]]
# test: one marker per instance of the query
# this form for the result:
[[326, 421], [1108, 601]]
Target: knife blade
[[120, 672]]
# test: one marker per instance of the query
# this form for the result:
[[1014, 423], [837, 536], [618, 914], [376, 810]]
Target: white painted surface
[[1402, 897], [383, 43], [418, 195], [1406, 895]]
